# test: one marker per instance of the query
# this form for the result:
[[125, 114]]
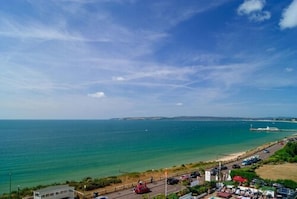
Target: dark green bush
[[288, 183], [247, 173]]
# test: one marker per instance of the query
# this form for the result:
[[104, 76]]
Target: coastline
[[187, 143], [232, 156], [129, 181], [181, 170]]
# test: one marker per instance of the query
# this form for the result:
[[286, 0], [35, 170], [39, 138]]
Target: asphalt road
[[158, 187], [155, 187]]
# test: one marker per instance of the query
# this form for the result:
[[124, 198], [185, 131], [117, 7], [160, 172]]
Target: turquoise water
[[46, 151]]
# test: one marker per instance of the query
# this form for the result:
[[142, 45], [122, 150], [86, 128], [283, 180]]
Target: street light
[[85, 186], [10, 185], [18, 191], [166, 177]]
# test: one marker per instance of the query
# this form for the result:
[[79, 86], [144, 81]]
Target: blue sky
[[97, 59]]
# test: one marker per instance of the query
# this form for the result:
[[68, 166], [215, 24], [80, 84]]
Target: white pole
[[220, 166], [166, 176]]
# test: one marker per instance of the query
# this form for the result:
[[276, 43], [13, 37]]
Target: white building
[[55, 192]]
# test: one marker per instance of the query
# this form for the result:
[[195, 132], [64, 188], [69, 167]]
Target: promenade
[[159, 187]]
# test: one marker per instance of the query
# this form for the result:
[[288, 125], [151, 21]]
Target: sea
[[42, 152]]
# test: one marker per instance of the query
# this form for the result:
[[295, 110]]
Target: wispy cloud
[[179, 104], [36, 30], [289, 16], [163, 56], [97, 94], [289, 69], [254, 10]]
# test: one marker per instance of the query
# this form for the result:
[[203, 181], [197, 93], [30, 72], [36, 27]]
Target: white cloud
[[179, 104], [97, 95], [254, 10], [118, 78], [289, 69], [289, 17], [249, 6]]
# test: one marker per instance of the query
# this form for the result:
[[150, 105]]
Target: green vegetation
[[247, 172], [133, 174], [88, 182], [170, 196], [91, 184], [286, 154], [200, 189]]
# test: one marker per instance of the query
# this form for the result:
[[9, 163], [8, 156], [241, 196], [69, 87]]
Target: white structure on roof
[[55, 192]]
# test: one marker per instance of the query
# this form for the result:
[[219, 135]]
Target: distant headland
[[210, 118]]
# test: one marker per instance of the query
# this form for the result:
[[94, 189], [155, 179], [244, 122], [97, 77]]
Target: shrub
[[286, 154]]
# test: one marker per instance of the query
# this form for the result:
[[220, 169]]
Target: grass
[[279, 171]]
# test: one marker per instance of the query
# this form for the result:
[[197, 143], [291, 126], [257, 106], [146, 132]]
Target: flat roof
[[53, 188]]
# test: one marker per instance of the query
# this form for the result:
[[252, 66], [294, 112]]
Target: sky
[[101, 59]]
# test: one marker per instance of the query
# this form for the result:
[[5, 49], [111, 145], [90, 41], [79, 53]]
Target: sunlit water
[[45, 151]]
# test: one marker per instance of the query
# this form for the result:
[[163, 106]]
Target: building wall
[[55, 192]]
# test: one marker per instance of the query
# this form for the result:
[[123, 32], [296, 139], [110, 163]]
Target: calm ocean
[[45, 151]]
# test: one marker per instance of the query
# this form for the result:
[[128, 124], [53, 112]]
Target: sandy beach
[[232, 156], [128, 181]]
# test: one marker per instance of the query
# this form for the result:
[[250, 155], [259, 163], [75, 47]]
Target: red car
[[185, 177], [141, 188]]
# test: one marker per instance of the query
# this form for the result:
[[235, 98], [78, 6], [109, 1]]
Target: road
[[158, 187]]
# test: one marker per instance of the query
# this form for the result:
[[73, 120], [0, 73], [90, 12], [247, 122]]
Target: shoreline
[[231, 156], [158, 174], [180, 170]]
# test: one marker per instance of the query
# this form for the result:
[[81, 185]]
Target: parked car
[[236, 166], [257, 181], [266, 151], [184, 177], [141, 188], [277, 185], [172, 181], [194, 174], [223, 167], [214, 171]]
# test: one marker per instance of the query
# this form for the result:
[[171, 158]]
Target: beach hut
[[239, 179]]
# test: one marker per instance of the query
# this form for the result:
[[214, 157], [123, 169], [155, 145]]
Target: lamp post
[[18, 191], [166, 176], [85, 186], [9, 185]]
